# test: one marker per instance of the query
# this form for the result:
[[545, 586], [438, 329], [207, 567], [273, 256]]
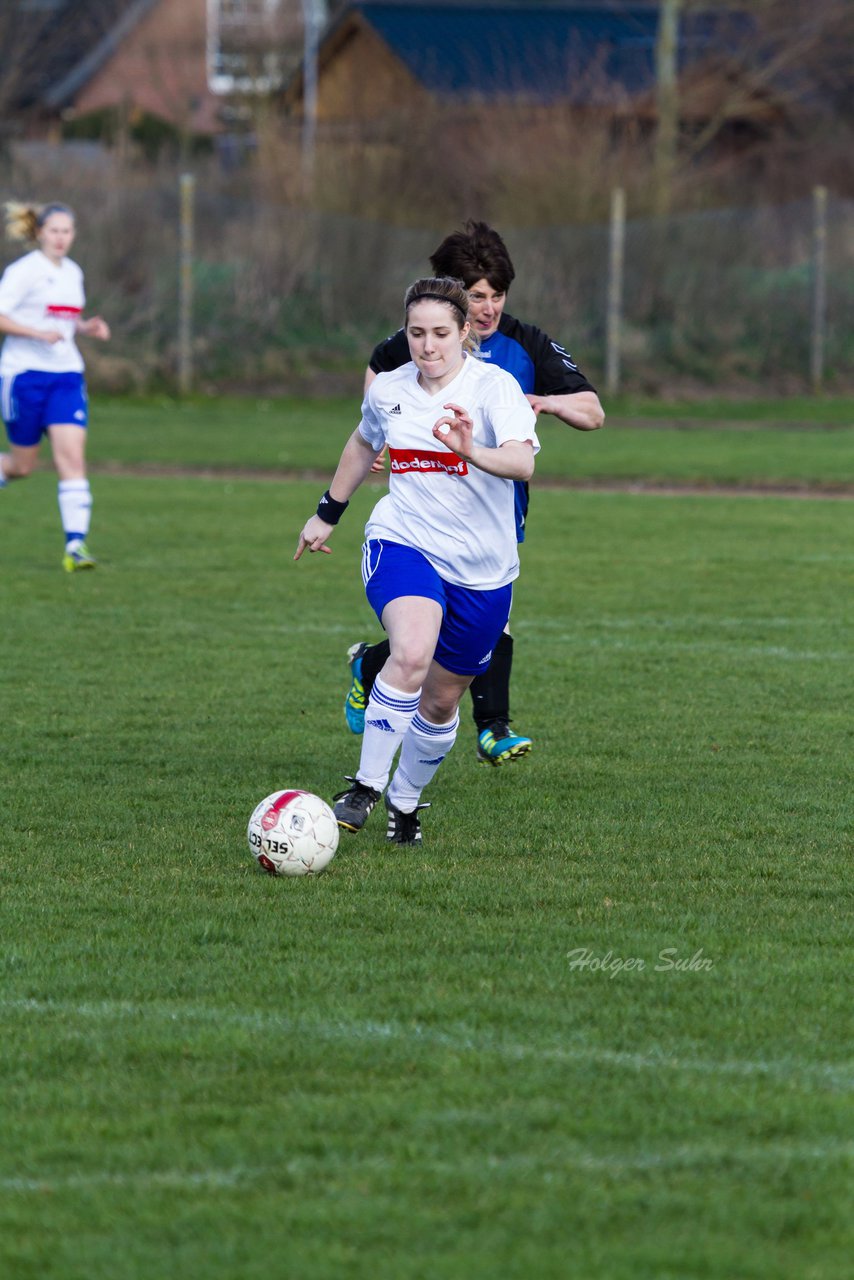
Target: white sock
[[387, 717], [75, 508], [424, 748]]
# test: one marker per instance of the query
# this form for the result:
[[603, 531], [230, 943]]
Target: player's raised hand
[[94, 327], [455, 430], [313, 537], [378, 464]]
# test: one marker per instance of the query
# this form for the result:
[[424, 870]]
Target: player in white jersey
[[553, 384], [42, 387], [440, 552]]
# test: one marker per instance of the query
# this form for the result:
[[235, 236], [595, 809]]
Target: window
[[246, 42]]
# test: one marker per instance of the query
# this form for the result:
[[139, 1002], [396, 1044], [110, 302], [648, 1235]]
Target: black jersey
[[540, 366]]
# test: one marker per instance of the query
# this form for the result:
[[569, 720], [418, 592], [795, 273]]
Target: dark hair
[[447, 290], [47, 210], [475, 253]]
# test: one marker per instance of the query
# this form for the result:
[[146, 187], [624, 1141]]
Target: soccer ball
[[293, 833]]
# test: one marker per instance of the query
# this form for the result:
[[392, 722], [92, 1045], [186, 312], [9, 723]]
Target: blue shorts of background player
[[34, 400], [472, 621]]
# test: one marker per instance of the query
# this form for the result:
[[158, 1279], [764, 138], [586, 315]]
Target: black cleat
[[403, 828], [352, 808]]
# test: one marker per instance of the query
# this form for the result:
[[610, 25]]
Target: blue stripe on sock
[[434, 730], [394, 704]]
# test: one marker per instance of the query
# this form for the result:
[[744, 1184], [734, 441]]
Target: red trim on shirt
[[427, 462], [64, 313]]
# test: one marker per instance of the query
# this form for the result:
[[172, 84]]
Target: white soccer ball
[[293, 833]]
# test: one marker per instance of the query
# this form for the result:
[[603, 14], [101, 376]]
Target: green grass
[[395, 1070], [299, 435], [828, 411]]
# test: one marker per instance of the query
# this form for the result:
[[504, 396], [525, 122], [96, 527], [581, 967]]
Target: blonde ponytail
[[21, 221], [24, 221]]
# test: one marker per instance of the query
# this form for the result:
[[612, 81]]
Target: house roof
[[544, 51], [97, 51], [63, 44]]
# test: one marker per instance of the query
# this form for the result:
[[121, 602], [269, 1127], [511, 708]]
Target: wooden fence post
[[185, 284], [314, 16], [819, 288], [187, 190], [616, 255]]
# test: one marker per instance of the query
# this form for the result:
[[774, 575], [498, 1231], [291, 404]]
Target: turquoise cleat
[[497, 745], [355, 703]]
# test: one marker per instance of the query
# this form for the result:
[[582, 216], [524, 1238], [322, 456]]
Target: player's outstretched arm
[[356, 462], [579, 409]]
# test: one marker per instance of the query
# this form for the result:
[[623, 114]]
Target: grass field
[[598, 1027], [768, 442]]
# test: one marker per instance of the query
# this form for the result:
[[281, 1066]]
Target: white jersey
[[459, 517], [42, 294]]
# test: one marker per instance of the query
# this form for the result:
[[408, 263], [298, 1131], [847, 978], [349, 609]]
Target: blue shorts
[[33, 401], [472, 621]]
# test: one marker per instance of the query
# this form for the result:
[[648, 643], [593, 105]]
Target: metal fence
[[255, 295]]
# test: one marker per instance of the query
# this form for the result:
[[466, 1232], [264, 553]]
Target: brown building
[[380, 58], [177, 61]]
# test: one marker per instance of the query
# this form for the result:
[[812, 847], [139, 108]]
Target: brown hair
[[475, 253], [443, 289]]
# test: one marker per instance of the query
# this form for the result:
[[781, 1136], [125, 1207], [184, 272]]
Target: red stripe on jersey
[[64, 313], [426, 462]]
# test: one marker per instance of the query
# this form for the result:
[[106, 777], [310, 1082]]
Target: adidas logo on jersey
[[396, 409], [486, 658], [382, 725]]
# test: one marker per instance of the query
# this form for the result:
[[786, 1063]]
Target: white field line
[[583, 640], [663, 645], [711, 646], [702, 1157], [608, 485], [653, 637], [679, 622], [836, 1076]]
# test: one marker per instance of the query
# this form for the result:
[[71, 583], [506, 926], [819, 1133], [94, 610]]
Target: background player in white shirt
[[440, 553], [42, 388]]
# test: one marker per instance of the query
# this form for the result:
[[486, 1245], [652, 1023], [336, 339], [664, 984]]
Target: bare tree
[[667, 103], [20, 32], [796, 63], [39, 43]]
